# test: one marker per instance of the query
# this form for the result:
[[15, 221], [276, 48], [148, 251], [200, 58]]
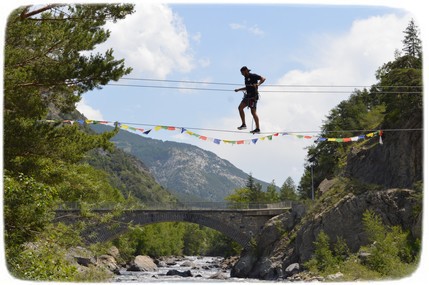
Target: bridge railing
[[176, 206]]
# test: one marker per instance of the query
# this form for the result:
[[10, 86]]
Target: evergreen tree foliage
[[323, 258], [288, 190], [253, 193], [47, 66], [272, 195], [411, 41], [255, 190]]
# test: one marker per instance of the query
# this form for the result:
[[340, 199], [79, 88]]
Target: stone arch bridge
[[239, 221]]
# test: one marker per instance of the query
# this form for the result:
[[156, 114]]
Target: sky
[[288, 44]]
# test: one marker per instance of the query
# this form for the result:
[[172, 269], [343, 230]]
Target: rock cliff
[[398, 163], [288, 238]]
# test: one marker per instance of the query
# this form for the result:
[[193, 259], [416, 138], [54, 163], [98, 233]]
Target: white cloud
[[153, 40], [255, 30], [88, 111]]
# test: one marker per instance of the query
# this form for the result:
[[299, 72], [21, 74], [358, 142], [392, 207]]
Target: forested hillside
[[129, 175]]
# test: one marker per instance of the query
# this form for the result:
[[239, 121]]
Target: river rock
[[81, 256], [108, 262], [218, 276], [334, 276], [292, 269], [229, 262], [186, 273], [113, 251], [142, 263], [187, 263]]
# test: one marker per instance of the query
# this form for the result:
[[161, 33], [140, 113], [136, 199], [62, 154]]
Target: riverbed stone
[[292, 269], [219, 276], [108, 262], [142, 263], [81, 256], [113, 251], [186, 273], [187, 263]]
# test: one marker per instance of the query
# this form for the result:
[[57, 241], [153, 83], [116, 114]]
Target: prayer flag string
[[218, 141]]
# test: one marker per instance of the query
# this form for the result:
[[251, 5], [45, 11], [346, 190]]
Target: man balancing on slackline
[[250, 99]]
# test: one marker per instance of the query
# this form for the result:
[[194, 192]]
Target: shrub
[[323, 258], [389, 250]]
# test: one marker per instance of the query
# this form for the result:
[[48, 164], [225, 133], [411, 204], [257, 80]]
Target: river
[[202, 269]]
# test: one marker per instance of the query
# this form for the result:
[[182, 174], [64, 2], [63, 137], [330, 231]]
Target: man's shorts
[[250, 102]]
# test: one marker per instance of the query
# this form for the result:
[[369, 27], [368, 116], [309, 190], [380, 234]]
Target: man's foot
[[242, 127], [256, 131]]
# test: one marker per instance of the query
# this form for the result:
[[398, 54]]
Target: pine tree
[[288, 190], [412, 42], [48, 65], [272, 195], [256, 194]]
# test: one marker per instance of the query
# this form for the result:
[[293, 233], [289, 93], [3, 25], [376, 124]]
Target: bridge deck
[[186, 206]]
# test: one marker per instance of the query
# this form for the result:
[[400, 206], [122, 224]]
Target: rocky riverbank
[[145, 268]]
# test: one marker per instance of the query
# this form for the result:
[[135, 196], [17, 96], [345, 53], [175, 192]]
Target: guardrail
[[175, 206]]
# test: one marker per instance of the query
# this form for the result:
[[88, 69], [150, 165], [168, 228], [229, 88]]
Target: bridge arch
[[239, 224], [107, 232]]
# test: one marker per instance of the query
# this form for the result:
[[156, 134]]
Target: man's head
[[244, 70]]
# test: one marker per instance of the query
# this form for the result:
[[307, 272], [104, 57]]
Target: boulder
[[113, 251], [292, 269], [81, 256], [335, 276], [186, 273], [85, 261], [324, 186], [108, 262], [218, 276], [142, 263], [187, 263]]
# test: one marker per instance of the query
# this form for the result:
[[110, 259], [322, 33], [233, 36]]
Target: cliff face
[[287, 239], [398, 163]]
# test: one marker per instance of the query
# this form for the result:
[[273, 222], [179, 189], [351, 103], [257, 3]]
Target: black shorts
[[250, 101]]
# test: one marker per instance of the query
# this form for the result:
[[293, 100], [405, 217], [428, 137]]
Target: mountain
[[189, 172], [130, 176], [126, 173]]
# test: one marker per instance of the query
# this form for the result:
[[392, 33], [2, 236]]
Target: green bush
[[390, 250], [392, 254], [323, 259]]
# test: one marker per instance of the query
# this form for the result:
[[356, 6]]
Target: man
[[252, 81]]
